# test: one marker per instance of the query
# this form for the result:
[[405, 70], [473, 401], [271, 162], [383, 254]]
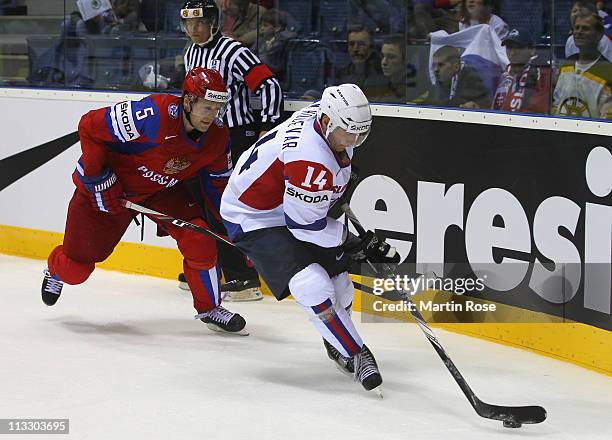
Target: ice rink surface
[[122, 358]]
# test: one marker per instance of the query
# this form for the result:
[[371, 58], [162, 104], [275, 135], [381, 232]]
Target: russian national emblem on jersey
[[176, 165], [173, 111]]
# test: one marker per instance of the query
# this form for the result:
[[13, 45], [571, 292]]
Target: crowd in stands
[[479, 54]]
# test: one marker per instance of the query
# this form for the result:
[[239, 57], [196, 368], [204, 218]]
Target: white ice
[[122, 358]]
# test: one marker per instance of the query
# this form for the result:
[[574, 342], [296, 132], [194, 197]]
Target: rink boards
[[430, 178]]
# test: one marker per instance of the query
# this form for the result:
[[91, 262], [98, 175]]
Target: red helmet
[[205, 83]]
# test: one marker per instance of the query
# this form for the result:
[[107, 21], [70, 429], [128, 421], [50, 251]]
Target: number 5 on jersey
[[141, 114]]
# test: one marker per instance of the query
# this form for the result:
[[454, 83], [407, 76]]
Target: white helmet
[[347, 108]]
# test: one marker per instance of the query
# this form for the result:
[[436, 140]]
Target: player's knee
[[200, 251], [343, 289], [67, 269], [311, 286]]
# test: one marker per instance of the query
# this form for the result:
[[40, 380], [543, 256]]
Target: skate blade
[[253, 294], [214, 328], [184, 286], [379, 393]]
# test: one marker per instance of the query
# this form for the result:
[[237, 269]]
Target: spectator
[[583, 87], [123, 16], [605, 44], [365, 61], [581, 6], [475, 12], [457, 85], [435, 15], [271, 46], [101, 23], [525, 85], [391, 85], [127, 13], [64, 63], [242, 20]]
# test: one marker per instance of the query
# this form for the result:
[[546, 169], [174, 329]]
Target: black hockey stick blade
[[511, 415]]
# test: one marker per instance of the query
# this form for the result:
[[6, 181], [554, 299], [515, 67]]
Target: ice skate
[[51, 288], [233, 291], [222, 320], [239, 291], [183, 282], [343, 363], [366, 369]]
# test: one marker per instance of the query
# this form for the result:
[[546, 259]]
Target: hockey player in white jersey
[[276, 209]]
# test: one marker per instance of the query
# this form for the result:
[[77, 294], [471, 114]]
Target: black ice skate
[[183, 282], [241, 290], [51, 288], [233, 291], [366, 370], [222, 320], [344, 364]]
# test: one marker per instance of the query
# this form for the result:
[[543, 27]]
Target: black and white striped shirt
[[242, 71]]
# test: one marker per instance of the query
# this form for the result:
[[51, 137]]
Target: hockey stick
[[511, 416], [175, 221]]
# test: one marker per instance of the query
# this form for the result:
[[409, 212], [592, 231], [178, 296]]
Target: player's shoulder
[[130, 120], [168, 106]]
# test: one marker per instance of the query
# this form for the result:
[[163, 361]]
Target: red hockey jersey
[[145, 143]]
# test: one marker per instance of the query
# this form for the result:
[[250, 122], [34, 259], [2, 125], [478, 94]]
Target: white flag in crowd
[[92, 8], [482, 49]]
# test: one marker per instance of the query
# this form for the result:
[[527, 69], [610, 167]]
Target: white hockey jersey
[[585, 94], [291, 178]]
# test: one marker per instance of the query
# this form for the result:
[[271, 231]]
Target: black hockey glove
[[370, 248]]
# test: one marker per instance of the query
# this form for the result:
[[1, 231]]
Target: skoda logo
[[95, 4]]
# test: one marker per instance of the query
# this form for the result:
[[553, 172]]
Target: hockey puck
[[511, 424]]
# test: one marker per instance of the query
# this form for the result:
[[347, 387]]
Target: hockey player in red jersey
[[144, 151]]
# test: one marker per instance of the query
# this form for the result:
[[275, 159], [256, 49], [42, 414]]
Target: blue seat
[[308, 67], [43, 62], [333, 18], [112, 61], [172, 10], [143, 48], [171, 46], [562, 21], [379, 16], [524, 14], [339, 57], [300, 13]]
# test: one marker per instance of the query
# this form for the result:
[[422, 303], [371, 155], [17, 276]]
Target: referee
[[243, 72]]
